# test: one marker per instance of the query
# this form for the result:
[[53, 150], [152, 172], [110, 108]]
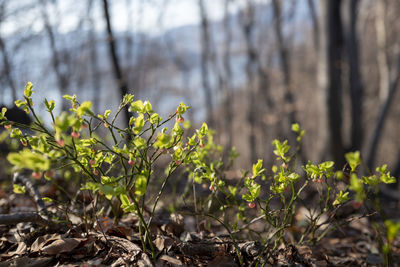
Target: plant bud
[[36, 175], [75, 135], [131, 162], [61, 142], [252, 205]]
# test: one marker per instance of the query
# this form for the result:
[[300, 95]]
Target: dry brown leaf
[[61, 246], [169, 259], [162, 242], [41, 241], [27, 262], [21, 249]]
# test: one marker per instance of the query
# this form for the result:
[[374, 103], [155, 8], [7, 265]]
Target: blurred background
[[250, 68]]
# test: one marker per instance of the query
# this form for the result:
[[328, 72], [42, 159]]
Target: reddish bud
[[131, 162], [212, 188], [177, 162], [75, 134], [7, 126], [320, 180], [106, 125], [180, 119], [252, 205], [356, 204], [36, 175], [201, 145], [95, 172], [61, 142], [92, 162]]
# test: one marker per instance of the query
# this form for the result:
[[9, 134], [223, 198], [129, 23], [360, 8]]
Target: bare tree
[[227, 83], [252, 67], [314, 20], [59, 60], [382, 114], [330, 75], [205, 60], [382, 57], [120, 79], [284, 60], [355, 82], [93, 55]]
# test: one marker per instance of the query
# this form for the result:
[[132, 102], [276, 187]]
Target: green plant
[[119, 170], [120, 167]]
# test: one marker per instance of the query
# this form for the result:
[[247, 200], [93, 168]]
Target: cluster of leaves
[[121, 168]]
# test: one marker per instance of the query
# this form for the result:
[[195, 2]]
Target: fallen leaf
[[61, 246], [171, 260]]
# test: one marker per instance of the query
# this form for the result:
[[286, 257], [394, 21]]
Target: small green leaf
[[85, 109], [19, 189], [28, 89], [47, 199], [137, 106], [354, 159], [140, 185]]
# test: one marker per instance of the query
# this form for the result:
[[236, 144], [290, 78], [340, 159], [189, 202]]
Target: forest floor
[[178, 242]]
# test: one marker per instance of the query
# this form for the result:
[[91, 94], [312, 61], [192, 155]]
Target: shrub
[[121, 169]]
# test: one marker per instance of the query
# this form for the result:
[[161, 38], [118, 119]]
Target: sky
[[134, 15]]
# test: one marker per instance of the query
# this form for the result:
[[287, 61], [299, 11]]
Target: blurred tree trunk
[[205, 60], [284, 61], [382, 115], [6, 61], [121, 82], [93, 55], [330, 75], [251, 69], [381, 55], [7, 69], [314, 20], [389, 80], [59, 61], [355, 83], [227, 85]]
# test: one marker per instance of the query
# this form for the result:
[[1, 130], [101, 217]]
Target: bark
[[284, 61], [227, 86], [382, 117], [251, 70], [7, 67], [355, 83], [205, 58], [93, 55], [119, 77], [388, 84], [382, 57], [314, 20], [331, 48]]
